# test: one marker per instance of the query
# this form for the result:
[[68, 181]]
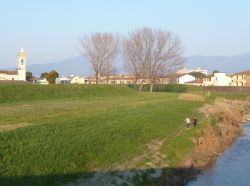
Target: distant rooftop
[[247, 72]]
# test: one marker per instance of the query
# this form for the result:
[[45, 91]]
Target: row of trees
[[50, 77], [148, 53]]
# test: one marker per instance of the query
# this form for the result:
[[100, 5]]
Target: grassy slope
[[10, 93], [70, 130]]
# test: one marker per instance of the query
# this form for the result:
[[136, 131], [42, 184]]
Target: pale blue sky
[[49, 30]]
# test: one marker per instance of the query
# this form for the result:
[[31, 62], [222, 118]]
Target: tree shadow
[[140, 177]]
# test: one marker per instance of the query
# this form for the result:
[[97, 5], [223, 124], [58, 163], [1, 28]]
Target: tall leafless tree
[[150, 54], [101, 50], [134, 56]]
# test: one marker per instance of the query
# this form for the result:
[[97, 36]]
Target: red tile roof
[[33, 78], [247, 72]]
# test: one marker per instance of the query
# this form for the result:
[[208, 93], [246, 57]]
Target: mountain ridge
[[78, 65], [228, 64]]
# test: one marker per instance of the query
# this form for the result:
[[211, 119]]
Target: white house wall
[[9, 77], [186, 78]]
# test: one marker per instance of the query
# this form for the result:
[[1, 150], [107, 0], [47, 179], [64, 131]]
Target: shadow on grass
[[164, 177]]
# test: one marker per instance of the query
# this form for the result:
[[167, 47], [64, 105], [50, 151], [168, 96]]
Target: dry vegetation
[[226, 111], [191, 97], [224, 121]]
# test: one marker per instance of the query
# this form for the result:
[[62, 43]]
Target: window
[[21, 61]]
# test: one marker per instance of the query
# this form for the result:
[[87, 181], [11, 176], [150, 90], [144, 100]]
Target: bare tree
[[166, 54], [111, 51], [150, 54], [101, 50], [134, 56]]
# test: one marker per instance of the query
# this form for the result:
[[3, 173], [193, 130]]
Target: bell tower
[[21, 67]]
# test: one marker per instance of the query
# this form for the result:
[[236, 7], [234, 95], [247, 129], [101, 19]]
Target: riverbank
[[224, 121], [230, 168]]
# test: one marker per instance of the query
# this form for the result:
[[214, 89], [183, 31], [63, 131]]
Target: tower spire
[[22, 65]]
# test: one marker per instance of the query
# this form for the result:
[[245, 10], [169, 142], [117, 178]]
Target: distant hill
[[79, 65], [76, 66], [229, 64]]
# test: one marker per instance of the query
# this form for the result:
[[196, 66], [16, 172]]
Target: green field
[[52, 135]]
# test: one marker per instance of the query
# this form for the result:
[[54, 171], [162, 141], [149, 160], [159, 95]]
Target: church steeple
[[21, 53], [21, 65]]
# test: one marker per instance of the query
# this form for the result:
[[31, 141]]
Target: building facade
[[77, 80], [187, 71], [184, 78], [20, 73], [241, 79], [114, 79], [217, 79]]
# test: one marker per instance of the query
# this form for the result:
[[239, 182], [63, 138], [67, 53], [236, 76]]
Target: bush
[[51, 76]]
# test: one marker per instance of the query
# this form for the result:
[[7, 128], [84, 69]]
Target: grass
[[232, 96], [63, 132], [191, 97], [10, 93], [181, 146], [177, 88]]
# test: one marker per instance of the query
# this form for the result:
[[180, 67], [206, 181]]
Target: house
[[40, 81], [62, 80], [20, 73], [241, 78], [217, 79], [119, 79], [169, 79], [77, 80], [184, 78], [90, 80], [197, 82], [187, 71], [113, 79], [176, 79]]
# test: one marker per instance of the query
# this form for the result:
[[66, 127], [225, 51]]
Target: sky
[[49, 30]]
